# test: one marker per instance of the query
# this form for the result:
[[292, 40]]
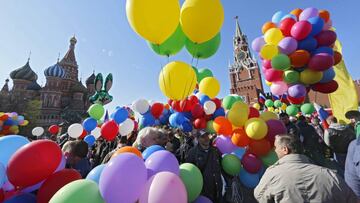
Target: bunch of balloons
[[10, 122], [276, 106], [297, 53]]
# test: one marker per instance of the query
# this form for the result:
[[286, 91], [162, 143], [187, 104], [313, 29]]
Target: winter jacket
[[338, 137], [352, 167]]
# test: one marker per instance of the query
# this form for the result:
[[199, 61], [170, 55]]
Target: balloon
[[269, 103], [197, 111], [307, 108], [120, 115], [266, 27], [256, 106], [326, 88], [9, 145], [95, 173], [147, 18], [78, 191], [259, 147], [251, 163], [328, 25], [317, 25], [326, 38], [278, 16], [21, 170], [75, 130], [177, 80], [280, 62], [268, 51], [287, 45], [126, 127], [292, 110], [273, 75], [156, 110], [127, 149], [186, 126], [54, 129], [209, 127], [176, 119], [321, 62], [269, 159], [200, 123], [286, 25], [90, 140], [22, 198], [293, 100], [124, 168], [203, 50], [172, 45], [278, 87], [239, 152], [300, 30], [249, 180], [328, 75], [217, 102], [297, 91], [96, 132], [231, 164], [277, 103], [291, 77], [257, 44], [224, 144], [238, 114], [150, 150], [256, 128], [309, 77], [109, 130], [162, 161], [55, 182], [266, 64], [202, 199], [239, 138], [273, 36], [204, 73], [37, 131], [327, 50], [141, 106], [193, 180], [164, 187], [209, 86], [253, 112], [228, 101], [308, 44], [209, 107], [299, 58], [89, 124], [308, 13], [275, 127], [296, 12], [222, 126], [325, 15], [96, 111], [195, 17]]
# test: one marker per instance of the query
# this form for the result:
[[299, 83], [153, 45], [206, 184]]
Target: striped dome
[[24, 73], [55, 71]]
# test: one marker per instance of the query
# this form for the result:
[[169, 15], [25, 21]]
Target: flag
[[323, 115]]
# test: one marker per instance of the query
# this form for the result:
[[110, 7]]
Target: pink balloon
[[257, 44], [300, 30], [251, 163], [273, 75], [275, 127], [278, 88], [288, 45], [321, 62], [266, 64]]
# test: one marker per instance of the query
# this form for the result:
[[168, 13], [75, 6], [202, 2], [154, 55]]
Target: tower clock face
[[240, 55]]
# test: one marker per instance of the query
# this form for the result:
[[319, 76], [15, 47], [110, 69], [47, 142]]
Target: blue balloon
[[90, 140], [89, 124], [147, 120], [261, 171], [22, 198], [239, 152], [249, 180], [328, 75], [164, 119], [9, 145], [9, 122], [276, 18], [95, 173], [289, 16], [120, 115], [157, 122], [308, 44], [148, 151], [2, 174], [176, 119], [21, 118], [317, 25], [327, 50], [219, 112], [186, 126], [188, 115], [204, 99]]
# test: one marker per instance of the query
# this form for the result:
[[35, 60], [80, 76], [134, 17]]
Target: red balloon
[[296, 100], [251, 163], [253, 113], [326, 38], [217, 102], [321, 62], [197, 111], [325, 88], [300, 30], [33, 163], [259, 147], [193, 99], [157, 109], [2, 195], [83, 134], [4, 117], [54, 129], [337, 57], [286, 25], [273, 75], [185, 105], [200, 123], [55, 182], [109, 130], [176, 106], [170, 101]]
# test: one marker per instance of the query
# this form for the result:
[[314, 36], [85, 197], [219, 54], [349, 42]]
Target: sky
[[107, 44]]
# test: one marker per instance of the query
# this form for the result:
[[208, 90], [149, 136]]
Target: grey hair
[[289, 141], [154, 133]]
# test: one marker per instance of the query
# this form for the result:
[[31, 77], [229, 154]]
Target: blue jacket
[[352, 166]]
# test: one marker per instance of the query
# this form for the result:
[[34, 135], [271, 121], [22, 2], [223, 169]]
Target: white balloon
[[199, 94], [75, 130], [126, 127], [96, 132], [141, 106], [37, 131], [209, 107]]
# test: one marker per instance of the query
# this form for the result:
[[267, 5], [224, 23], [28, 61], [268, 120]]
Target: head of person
[[284, 117], [203, 139], [315, 121], [152, 136], [74, 151], [353, 116], [331, 120], [286, 144]]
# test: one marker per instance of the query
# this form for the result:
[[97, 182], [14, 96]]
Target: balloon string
[[162, 70]]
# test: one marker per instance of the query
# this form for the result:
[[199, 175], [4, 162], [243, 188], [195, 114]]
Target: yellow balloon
[[238, 114], [267, 115], [201, 20], [268, 83], [271, 109], [177, 80], [273, 36], [25, 123], [283, 107], [154, 20], [256, 106], [309, 77], [276, 110], [256, 128], [209, 86], [268, 51]]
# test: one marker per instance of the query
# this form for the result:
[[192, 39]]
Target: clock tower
[[244, 72]]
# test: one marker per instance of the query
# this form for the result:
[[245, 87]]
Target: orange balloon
[[268, 25], [239, 138], [127, 149], [299, 58], [325, 15], [337, 57], [167, 106], [222, 126], [296, 12], [260, 147]]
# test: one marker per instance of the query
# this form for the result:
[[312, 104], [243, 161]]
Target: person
[[352, 166], [150, 136], [294, 179], [338, 138], [354, 117], [315, 122], [76, 156], [290, 126], [208, 159], [122, 143]]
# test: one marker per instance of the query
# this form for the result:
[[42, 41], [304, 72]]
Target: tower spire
[[29, 56], [238, 32]]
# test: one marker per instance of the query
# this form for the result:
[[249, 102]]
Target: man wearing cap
[[354, 117], [208, 159]]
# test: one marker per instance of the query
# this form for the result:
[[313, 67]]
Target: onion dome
[[24, 73], [90, 80], [55, 71], [78, 87], [33, 86]]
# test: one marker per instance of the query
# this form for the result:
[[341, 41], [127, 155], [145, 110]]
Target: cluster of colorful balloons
[[10, 122], [297, 50], [276, 106]]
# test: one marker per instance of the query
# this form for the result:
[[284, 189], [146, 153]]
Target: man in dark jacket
[[208, 159], [291, 127]]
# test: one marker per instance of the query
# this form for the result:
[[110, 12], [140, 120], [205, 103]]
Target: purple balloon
[[297, 91], [202, 199], [251, 163], [275, 127], [321, 62], [8, 186], [162, 161], [225, 145], [308, 13], [257, 44], [123, 179], [288, 45]]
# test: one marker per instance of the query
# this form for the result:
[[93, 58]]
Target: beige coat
[[294, 179]]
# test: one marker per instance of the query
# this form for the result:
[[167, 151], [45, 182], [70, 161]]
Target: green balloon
[[238, 98], [203, 50], [192, 179], [231, 164], [78, 191], [269, 159], [277, 103], [280, 62], [96, 111], [172, 45], [209, 127], [228, 101], [291, 76], [204, 73], [269, 103], [292, 110], [307, 108]]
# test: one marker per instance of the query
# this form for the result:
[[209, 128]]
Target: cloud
[[110, 53]]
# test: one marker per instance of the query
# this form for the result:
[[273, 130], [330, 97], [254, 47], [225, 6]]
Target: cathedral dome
[[55, 71], [33, 86], [90, 80], [24, 73]]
